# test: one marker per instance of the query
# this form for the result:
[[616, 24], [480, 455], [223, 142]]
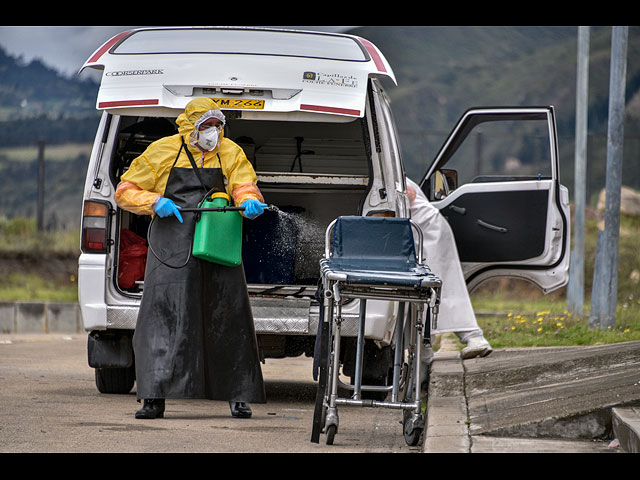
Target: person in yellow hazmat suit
[[194, 335]]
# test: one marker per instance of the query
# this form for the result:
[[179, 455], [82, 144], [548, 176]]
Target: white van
[[310, 112]]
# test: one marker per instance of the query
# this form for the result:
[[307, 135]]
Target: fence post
[[575, 290], [605, 276], [40, 199]]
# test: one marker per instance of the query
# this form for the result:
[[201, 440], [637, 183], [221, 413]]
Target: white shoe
[[477, 346]]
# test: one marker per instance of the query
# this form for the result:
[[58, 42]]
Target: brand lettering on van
[[330, 79], [126, 73]]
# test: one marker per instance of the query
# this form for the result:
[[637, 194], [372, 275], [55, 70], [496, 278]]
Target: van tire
[[115, 380]]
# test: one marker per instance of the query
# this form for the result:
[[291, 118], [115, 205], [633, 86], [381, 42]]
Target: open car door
[[496, 181]]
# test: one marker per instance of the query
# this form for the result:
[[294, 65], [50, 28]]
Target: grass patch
[[37, 266], [17, 287], [20, 236], [554, 326], [521, 318]]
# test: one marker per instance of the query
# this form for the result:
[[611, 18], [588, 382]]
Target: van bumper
[[284, 317], [91, 290]]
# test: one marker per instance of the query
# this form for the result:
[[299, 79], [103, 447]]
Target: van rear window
[[241, 41]]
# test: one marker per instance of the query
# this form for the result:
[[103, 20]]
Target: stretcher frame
[[421, 294]]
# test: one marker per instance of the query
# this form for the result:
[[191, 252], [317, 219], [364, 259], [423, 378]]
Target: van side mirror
[[444, 182], [451, 177]]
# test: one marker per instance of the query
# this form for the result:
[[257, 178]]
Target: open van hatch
[[319, 133], [312, 171]]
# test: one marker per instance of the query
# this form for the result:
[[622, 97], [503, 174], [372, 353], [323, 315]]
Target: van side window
[[134, 136], [497, 151]]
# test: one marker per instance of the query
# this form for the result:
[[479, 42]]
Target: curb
[[40, 317], [626, 428], [447, 429]]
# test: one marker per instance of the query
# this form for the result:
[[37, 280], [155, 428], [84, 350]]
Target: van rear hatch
[[166, 67], [286, 94]]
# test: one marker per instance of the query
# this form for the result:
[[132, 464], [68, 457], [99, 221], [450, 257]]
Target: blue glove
[[253, 208], [166, 208]]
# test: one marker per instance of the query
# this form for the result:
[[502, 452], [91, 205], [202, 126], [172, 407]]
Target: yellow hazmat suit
[[144, 183]]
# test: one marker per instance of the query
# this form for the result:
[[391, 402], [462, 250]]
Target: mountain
[[442, 71], [33, 94], [32, 89]]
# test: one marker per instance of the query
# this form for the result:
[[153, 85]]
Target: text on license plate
[[240, 103]]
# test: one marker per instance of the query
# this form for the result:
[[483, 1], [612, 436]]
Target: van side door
[[496, 181]]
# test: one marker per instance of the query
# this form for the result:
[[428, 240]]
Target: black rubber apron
[[195, 336]]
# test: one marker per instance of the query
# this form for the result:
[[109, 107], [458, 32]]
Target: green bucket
[[218, 235]]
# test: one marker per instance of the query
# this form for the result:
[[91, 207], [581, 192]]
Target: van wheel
[[115, 380]]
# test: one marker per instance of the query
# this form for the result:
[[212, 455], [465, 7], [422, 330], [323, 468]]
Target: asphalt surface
[[542, 400], [49, 404]]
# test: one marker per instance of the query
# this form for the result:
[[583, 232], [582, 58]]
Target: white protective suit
[[441, 255]]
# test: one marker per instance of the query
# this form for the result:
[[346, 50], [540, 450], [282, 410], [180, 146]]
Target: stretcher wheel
[[412, 438], [331, 433], [411, 428]]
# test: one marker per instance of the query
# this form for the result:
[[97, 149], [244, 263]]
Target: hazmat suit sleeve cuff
[[134, 199], [246, 191]]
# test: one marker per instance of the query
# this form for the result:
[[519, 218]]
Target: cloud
[[62, 48], [67, 48]]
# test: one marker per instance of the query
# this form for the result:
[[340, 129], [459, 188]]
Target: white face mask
[[208, 139]]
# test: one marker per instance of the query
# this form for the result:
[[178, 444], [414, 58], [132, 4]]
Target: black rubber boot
[[240, 410], [152, 408]]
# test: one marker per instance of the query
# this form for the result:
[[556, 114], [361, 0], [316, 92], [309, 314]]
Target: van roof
[[244, 68]]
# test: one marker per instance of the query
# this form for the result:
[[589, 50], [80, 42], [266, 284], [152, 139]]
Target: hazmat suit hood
[[148, 174], [193, 115]]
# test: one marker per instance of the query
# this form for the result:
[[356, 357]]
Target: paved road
[[49, 403]]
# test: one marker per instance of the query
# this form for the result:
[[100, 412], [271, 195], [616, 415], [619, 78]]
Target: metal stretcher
[[374, 258]]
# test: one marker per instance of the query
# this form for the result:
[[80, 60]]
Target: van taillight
[[95, 227]]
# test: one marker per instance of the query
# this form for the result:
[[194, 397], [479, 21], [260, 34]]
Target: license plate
[[241, 103]]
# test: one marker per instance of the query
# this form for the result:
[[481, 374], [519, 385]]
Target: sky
[[66, 48]]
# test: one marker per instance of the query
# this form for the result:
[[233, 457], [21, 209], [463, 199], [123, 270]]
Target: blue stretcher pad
[[377, 251]]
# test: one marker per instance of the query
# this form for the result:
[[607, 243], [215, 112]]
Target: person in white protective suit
[[441, 255]]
